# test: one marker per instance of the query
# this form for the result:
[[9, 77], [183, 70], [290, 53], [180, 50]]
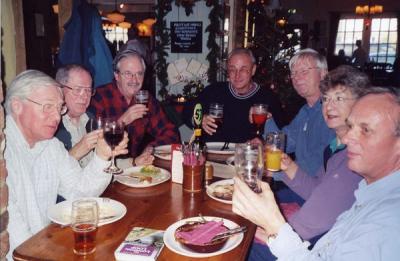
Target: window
[[383, 41], [382, 38], [117, 34], [349, 31]]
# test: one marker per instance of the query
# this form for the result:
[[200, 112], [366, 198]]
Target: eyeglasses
[[129, 75], [303, 72], [80, 90], [241, 71], [335, 99], [49, 108]]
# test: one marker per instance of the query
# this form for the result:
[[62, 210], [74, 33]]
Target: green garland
[[162, 33]]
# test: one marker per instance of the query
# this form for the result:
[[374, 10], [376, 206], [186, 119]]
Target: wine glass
[[249, 164], [113, 134], [259, 116], [84, 221]]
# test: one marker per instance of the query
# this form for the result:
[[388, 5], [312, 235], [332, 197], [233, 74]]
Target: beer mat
[[175, 246], [221, 191], [224, 148], [135, 177], [61, 213], [222, 170]]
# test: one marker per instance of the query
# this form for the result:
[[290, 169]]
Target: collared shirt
[[327, 195], [77, 132], [307, 136], [109, 102], [369, 230], [36, 175]]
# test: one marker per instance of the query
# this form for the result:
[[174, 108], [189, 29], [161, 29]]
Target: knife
[[229, 233], [100, 220]]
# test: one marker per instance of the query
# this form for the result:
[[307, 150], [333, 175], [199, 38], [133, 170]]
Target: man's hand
[[208, 124], [144, 159], [85, 145], [104, 151], [134, 112], [261, 209]]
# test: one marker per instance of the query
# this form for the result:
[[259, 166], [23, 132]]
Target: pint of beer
[[275, 145]]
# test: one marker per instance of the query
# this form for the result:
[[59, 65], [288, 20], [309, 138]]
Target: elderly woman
[[330, 192]]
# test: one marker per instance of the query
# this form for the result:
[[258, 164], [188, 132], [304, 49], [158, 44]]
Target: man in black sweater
[[237, 96]]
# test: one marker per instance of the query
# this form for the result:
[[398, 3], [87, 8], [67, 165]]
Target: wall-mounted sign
[[186, 37]]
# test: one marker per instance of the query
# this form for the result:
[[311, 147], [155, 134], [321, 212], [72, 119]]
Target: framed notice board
[[186, 37]]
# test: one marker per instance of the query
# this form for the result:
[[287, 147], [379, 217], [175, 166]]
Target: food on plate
[[142, 178], [150, 170], [198, 236], [223, 191]]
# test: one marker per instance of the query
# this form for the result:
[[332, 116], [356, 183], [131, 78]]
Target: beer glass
[[84, 221], [249, 164], [274, 147], [216, 111], [142, 97]]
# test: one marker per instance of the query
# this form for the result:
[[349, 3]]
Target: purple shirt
[[327, 195]]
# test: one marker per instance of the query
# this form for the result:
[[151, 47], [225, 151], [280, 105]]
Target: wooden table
[[154, 207]]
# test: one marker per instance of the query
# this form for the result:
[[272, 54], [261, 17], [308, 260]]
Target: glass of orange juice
[[275, 145]]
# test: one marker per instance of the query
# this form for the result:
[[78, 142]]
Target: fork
[[226, 145]]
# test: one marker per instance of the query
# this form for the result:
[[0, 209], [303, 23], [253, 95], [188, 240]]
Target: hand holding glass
[[249, 164], [275, 145], [84, 221], [113, 134]]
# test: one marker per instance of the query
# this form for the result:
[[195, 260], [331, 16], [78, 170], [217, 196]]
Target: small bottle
[[209, 174]]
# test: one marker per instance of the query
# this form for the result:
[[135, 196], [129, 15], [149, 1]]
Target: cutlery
[[229, 233], [226, 146], [100, 220]]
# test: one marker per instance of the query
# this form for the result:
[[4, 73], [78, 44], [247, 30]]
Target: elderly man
[[117, 99], [38, 165], [307, 134], [237, 96], [370, 229], [74, 127]]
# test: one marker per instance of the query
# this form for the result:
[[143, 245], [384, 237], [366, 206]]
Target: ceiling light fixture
[[115, 16]]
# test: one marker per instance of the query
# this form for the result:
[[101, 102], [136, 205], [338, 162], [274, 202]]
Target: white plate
[[124, 178], [61, 212], [215, 148], [210, 190], [163, 152], [175, 246]]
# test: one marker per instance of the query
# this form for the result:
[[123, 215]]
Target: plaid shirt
[[109, 102]]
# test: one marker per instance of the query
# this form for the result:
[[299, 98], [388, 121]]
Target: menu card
[[176, 163]]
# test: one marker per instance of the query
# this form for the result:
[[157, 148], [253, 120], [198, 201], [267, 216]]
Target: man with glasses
[[237, 96], [74, 129], [39, 168], [307, 134], [117, 99]]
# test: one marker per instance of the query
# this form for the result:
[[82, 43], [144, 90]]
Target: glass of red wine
[[259, 116], [113, 134]]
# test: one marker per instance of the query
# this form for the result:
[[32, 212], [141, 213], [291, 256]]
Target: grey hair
[[25, 83], [307, 54], [62, 75], [245, 51], [347, 77], [392, 92], [124, 54]]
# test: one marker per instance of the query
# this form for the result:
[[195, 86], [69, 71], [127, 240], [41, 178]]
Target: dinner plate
[[216, 148], [175, 246], [163, 152], [211, 187], [61, 212], [156, 179]]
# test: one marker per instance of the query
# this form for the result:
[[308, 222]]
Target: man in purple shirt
[[330, 192]]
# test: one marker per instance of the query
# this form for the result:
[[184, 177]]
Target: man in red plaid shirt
[[117, 99]]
